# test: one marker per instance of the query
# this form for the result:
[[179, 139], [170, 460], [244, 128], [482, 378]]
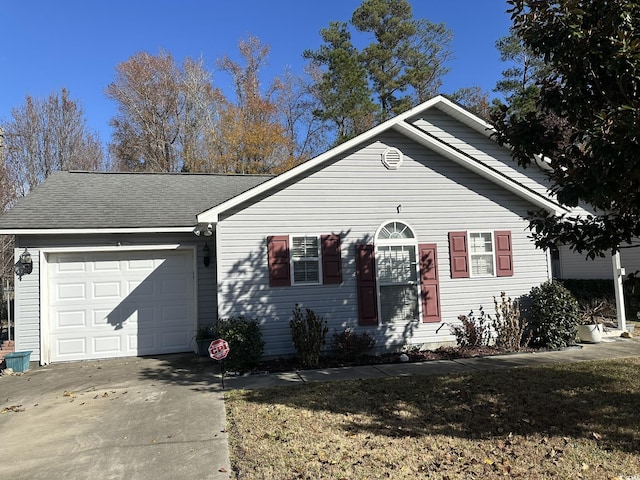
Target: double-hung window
[[305, 260], [481, 254]]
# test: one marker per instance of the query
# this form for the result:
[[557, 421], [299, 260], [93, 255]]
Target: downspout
[[618, 275]]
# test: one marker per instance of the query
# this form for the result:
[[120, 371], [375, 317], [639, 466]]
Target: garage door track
[[137, 418]]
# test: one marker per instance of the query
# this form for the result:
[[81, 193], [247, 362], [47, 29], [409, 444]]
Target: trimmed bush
[[244, 337], [349, 345], [308, 333], [553, 315]]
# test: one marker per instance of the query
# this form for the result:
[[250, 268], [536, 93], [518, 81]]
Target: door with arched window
[[397, 271]]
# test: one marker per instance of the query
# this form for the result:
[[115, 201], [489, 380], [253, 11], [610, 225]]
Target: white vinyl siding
[[352, 196], [474, 143], [578, 266], [305, 260]]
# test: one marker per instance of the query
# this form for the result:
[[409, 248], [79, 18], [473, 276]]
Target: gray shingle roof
[[76, 200]]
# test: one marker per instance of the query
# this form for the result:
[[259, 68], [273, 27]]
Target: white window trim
[[412, 242], [493, 253], [292, 260]]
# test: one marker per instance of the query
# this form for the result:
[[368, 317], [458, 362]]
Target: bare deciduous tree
[[165, 113], [44, 136]]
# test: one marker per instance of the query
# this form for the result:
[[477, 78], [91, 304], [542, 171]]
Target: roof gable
[[404, 124]]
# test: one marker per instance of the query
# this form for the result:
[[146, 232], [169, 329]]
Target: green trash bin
[[18, 361]]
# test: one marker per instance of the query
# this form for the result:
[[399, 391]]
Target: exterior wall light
[[206, 255], [24, 265]]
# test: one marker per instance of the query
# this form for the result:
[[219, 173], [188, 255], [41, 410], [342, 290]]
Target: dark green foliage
[[350, 346], [553, 315], [585, 118], [244, 337], [402, 66], [474, 329], [308, 333]]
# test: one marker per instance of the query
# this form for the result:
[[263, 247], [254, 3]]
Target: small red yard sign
[[219, 349]]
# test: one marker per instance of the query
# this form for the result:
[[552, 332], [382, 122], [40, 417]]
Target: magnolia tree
[[585, 119]]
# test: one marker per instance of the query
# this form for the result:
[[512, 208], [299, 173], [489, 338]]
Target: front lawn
[[566, 421]]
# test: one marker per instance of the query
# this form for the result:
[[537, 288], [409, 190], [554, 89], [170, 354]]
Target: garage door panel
[[141, 265], [70, 319], [74, 264], [70, 292], [107, 345], [106, 290], [73, 348], [131, 303], [106, 265], [141, 289]]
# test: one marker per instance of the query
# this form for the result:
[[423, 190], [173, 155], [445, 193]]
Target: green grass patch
[[571, 421]]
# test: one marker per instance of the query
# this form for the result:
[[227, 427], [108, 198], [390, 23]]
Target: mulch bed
[[441, 353]]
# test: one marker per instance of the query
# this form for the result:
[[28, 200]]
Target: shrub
[[350, 345], [474, 330], [308, 333], [244, 337], [509, 326], [553, 315]]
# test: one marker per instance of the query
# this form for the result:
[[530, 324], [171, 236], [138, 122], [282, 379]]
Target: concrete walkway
[[611, 347]]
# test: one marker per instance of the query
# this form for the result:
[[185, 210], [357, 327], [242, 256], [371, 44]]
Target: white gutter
[[89, 231]]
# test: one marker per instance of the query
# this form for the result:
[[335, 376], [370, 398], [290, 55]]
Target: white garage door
[[120, 304]]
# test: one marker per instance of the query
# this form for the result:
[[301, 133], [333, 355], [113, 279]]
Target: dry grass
[[570, 421]]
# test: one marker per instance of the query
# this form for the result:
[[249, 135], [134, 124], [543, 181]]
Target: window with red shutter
[[430, 286], [366, 285], [504, 254], [278, 260], [458, 253], [331, 259]]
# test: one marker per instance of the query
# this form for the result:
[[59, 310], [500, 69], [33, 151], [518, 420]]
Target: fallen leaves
[[12, 409]]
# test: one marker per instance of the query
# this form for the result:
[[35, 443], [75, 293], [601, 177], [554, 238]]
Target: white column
[[618, 275]]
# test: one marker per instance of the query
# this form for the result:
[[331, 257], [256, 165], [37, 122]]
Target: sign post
[[218, 350]]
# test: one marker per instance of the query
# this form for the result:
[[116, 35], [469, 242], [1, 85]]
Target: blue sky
[[46, 45]]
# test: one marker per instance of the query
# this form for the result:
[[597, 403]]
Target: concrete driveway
[[137, 418]]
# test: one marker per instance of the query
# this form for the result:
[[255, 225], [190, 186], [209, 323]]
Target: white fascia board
[[211, 215], [477, 167], [89, 231], [459, 113]]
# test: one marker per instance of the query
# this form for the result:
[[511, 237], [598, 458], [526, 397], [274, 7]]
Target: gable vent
[[392, 158]]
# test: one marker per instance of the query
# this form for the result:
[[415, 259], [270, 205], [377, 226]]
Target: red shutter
[[331, 261], [366, 284], [429, 282], [458, 254], [504, 254], [279, 268]]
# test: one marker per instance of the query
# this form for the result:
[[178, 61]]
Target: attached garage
[[119, 303]]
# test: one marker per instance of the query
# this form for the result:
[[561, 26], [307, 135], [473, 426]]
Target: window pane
[[305, 271], [395, 230], [482, 264], [398, 303], [397, 264], [480, 242], [305, 247]]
